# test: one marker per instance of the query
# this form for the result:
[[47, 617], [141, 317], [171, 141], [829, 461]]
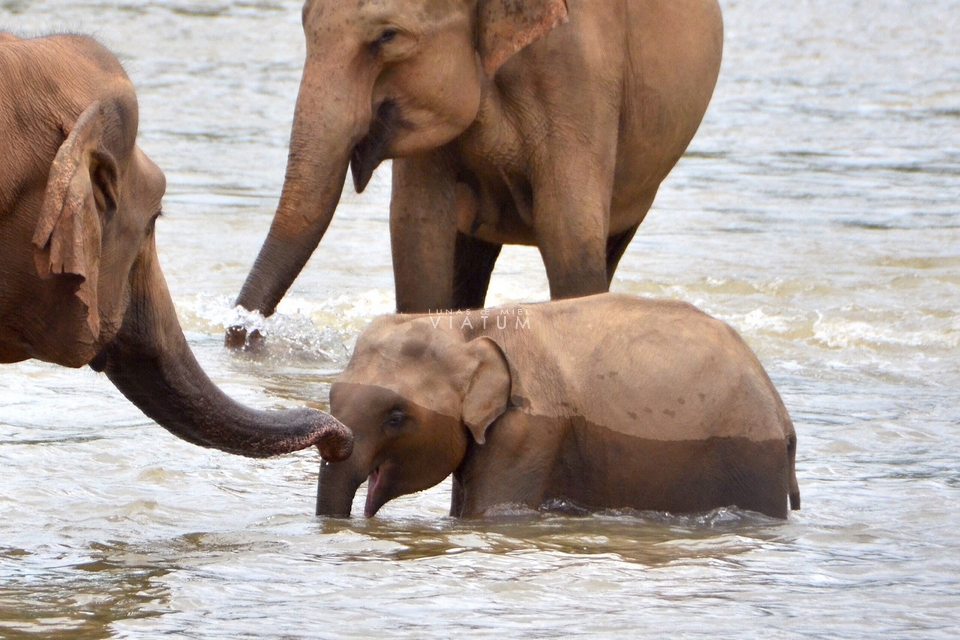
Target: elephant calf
[[79, 278], [609, 401]]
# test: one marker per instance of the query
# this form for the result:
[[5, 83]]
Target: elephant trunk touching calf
[[150, 362], [605, 402], [80, 281]]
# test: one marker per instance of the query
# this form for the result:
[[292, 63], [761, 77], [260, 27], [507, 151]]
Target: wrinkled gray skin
[[538, 122], [79, 278], [603, 402]]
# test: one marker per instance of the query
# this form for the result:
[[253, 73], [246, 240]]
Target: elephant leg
[[616, 246], [513, 467], [571, 231], [423, 231], [574, 252], [456, 498], [474, 260], [572, 191]]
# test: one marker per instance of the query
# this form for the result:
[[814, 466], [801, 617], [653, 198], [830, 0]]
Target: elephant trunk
[[336, 488], [150, 362], [330, 120]]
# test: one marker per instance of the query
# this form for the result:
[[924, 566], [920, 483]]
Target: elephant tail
[[792, 465]]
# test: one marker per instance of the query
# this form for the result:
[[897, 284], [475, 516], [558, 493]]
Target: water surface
[[816, 211]]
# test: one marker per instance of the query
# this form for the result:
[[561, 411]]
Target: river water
[[817, 211]]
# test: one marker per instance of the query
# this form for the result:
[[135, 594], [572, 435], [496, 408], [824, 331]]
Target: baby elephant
[[604, 402]]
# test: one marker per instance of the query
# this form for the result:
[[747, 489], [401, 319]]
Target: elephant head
[[80, 282], [417, 398], [382, 79]]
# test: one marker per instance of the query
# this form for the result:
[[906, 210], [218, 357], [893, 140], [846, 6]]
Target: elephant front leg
[[571, 210], [423, 232], [512, 469]]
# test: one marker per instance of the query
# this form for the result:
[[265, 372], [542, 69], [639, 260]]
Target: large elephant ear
[[489, 388], [507, 26], [81, 187]]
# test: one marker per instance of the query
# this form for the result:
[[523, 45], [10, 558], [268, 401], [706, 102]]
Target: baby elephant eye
[[396, 419], [386, 36]]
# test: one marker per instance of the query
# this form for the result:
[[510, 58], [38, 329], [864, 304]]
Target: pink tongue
[[372, 481]]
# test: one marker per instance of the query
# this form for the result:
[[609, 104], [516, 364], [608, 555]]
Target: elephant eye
[[395, 420], [386, 36], [151, 225]]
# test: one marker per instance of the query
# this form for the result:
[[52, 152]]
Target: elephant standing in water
[[80, 282], [608, 401], [543, 122]]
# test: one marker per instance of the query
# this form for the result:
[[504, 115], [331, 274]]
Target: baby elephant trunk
[[337, 486]]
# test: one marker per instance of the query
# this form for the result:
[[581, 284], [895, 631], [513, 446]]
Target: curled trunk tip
[[335, 440]]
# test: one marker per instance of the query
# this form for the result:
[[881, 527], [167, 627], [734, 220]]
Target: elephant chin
[[373, 148]]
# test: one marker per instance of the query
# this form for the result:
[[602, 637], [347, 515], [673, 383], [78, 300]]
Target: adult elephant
[[80, 282], [510, 121]]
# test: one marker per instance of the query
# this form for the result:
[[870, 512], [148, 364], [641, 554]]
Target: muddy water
[[817, 211]]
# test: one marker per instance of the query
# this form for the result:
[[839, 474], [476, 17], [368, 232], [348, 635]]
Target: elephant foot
[[235, 338], [238, 339]]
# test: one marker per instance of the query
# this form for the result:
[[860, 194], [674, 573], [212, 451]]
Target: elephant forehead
[[414, 9], [413, 359], [380, 11], [412, 349], [388, 387]]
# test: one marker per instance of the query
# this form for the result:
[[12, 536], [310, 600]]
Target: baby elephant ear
[[489, 388], [507, 26], [81, 186]]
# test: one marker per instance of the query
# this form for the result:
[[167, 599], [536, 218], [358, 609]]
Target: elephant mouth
[[372, 149], [375, 499], [381, 488]]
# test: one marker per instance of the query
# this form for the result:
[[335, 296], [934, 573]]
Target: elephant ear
[[507, 26], [81, 187], [488, 389]]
